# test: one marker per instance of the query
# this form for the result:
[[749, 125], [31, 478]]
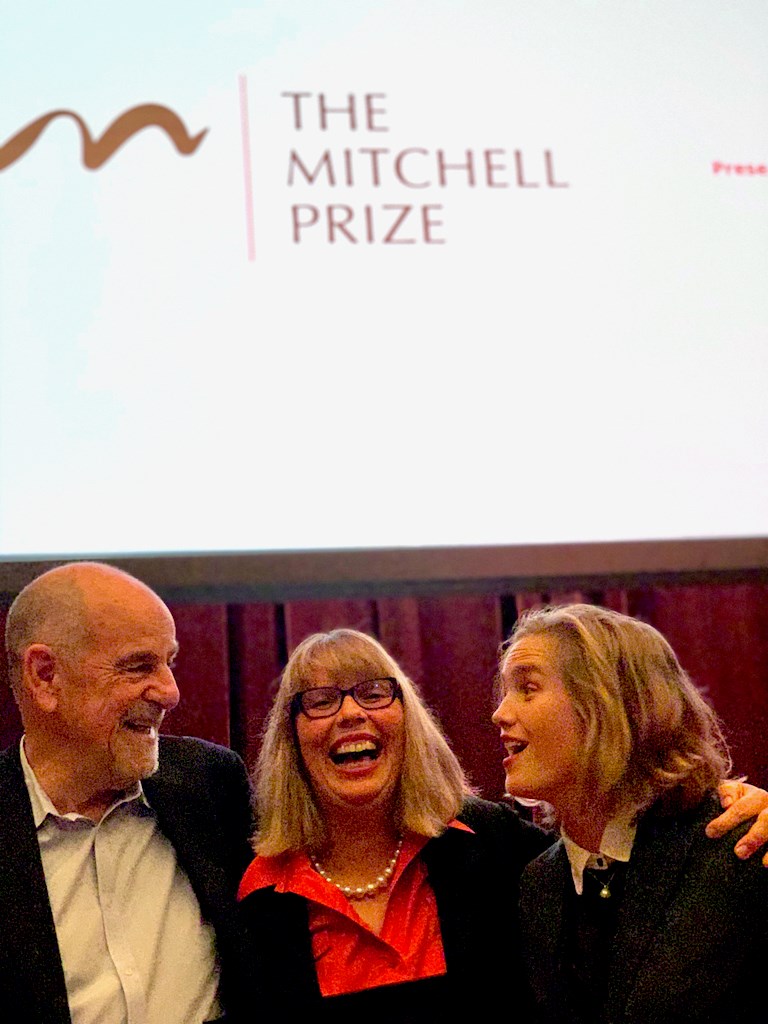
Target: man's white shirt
[[133, 945]]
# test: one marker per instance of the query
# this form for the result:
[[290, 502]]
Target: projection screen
[[309, 276]]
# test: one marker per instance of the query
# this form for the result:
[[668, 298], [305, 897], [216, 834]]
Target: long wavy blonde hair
[[649, 735]]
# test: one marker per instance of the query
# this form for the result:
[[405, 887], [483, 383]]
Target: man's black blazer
[[201, 797], [692, 934]]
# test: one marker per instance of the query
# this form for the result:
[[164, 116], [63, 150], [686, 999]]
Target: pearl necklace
[[362, 892]]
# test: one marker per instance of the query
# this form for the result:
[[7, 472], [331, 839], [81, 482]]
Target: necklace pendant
[[605, 893]]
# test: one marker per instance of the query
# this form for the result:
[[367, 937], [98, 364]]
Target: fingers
[[755, 839], [732, 790], [757, 836], [728, 820], [742, 800]]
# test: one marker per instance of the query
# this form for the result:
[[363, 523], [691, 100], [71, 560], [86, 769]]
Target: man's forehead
[[117, 590], [123, 614], [132, 624], [90, 591]]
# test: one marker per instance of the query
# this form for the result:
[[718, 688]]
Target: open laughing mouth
[[513, 747], [143, 718], [355, 752]]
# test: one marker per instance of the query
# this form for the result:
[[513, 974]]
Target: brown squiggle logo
[[97, 151]]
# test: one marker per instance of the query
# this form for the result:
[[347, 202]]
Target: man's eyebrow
[[135, 657]]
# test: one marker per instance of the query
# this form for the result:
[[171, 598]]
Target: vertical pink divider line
[[247, 176]]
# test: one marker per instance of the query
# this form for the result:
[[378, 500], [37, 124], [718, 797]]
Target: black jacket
[[692, 931], [201, 797], [475, 880]]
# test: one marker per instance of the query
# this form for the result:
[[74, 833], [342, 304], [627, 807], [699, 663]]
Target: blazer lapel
[[182, 820], [30, 964], [546, 887], [479, 928], [656, 870], [277, 953], [453, 855]]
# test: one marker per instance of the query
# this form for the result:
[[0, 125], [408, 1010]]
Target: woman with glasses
[[376, 882]]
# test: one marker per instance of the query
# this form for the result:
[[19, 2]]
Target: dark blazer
[[475, 881], [692, 932], [201, 797]]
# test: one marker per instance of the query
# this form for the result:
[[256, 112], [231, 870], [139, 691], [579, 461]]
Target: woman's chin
[[361, 794]]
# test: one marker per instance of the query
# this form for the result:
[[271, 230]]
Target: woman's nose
[[350, 708]]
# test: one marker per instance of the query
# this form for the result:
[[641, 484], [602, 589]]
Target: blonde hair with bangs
[[432, 785], [649, 735]]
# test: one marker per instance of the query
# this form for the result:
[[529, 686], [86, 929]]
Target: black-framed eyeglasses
[[324, 701]]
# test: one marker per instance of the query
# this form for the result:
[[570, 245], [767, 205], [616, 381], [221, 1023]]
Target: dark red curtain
[[232, 655]]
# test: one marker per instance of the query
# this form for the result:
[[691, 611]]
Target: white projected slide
[[315, 274]]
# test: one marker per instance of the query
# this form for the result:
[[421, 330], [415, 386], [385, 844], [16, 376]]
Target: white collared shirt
[[616, 844], [133, 945]]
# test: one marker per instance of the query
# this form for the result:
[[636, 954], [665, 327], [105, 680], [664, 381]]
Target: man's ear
[[40, 676]]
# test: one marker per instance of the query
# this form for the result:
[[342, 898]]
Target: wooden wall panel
[[720, 635], [305, 617], [202, 673], [400, 633], [460, 638], [257, 657]]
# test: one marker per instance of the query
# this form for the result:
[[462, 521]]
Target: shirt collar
[[42, 805], [616, 844]]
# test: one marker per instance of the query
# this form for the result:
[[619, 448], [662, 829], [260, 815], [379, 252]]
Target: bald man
[[120, 850]]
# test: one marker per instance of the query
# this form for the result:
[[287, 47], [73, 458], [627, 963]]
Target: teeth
[[355, 748]]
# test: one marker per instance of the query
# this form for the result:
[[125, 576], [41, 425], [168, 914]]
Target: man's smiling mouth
[[142, 726]]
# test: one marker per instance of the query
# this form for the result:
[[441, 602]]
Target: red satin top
[[348, 955]]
